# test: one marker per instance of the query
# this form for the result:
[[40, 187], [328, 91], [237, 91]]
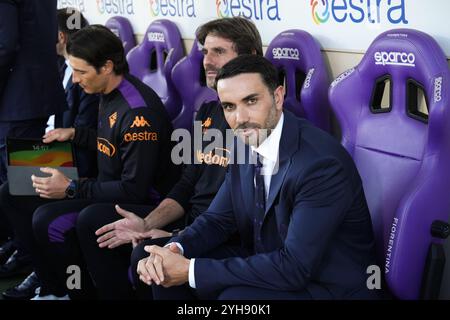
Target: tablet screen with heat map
[[38, 154]]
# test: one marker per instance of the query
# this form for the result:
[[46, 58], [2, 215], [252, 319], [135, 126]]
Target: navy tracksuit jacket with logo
[[133, 146]]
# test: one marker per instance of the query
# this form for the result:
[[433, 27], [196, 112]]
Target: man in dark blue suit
[[30, 89], [299, 209], [82, 107]]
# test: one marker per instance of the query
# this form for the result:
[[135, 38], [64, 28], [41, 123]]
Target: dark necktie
[[260, 204]]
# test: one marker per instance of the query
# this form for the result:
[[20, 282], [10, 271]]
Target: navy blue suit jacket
[[82, 113], [29, 82], [316, 234]]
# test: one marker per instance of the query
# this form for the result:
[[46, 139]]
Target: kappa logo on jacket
[[140, 122], [112, 119], [206, 124]]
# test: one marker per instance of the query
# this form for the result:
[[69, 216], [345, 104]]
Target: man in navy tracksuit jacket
[[133, 156]]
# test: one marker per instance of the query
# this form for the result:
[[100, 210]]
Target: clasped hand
[[165, 266]]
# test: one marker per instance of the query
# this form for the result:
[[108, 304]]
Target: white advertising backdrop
[[342, 25]]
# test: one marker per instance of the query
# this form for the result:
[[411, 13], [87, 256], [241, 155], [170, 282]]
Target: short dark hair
[[96, 45], [66, 25], [241, 31], [250, 63]]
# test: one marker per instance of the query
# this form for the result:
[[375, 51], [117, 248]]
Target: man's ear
[[278, 95], [108, 67], [62, 37]]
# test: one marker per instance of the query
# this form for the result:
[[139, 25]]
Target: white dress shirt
[[268, 153], [67, 75]]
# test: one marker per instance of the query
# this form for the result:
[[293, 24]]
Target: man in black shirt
[[133, 156], [222, 40]]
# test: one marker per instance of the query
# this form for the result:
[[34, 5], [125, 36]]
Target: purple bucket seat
[[122, 28], [188, 77], [402, 151], [297, 56], [152, 61]]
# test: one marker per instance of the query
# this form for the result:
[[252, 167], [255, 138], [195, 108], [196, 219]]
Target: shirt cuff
[[191, 273], [191, 264], [178, 245]]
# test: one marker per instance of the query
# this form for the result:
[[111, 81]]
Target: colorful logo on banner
[[223, 8], [323, 15], [358, 11], [78, 4], [115, 6], [154, 8], [251, 9], [172, 8]]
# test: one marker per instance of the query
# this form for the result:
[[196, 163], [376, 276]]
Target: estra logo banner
[[359, 11], [173, 8], [78, 4], [115, 6], [251, 9]]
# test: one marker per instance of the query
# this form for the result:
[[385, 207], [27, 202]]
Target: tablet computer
[[26, 157]]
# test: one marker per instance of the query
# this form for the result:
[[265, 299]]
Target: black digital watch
[[71, 190]]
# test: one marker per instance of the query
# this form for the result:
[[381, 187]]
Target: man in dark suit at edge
[[30, 91], [82, 107], [82, 112]]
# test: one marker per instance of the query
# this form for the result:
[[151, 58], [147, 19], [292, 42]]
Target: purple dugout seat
[[152, 61], [122, 28], [297, 56], [188, 76], [402, 153]]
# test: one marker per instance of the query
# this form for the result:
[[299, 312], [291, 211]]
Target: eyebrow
[[217, 48], [78, 70], [250, 96]]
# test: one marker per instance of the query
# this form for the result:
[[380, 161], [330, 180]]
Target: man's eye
[[252, 101], [227, 107]]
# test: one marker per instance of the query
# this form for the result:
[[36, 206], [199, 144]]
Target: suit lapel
[[248, 187], [241, 155], [277, 181], [69, 86], [288, 145]]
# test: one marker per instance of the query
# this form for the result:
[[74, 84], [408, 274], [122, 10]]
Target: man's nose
[[75, 78], [241, 115], [208, 60]]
